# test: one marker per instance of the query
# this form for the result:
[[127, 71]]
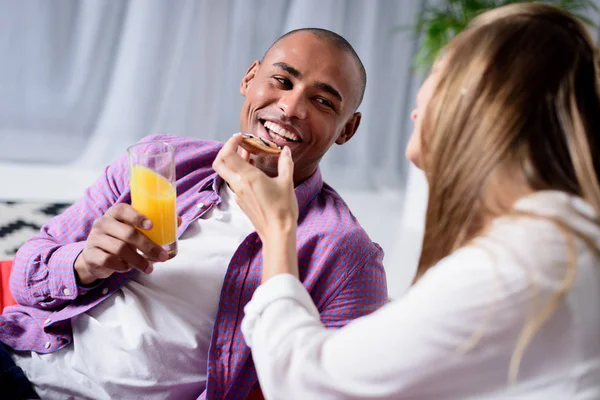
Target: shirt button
[[200, 205], [47, 345], [105, 290], [67, 292]]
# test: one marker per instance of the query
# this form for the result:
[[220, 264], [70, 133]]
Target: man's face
[[303, 96]]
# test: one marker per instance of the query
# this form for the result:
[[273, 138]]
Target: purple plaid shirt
[[339, 265]]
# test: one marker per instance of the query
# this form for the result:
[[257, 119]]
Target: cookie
[[256, 145]]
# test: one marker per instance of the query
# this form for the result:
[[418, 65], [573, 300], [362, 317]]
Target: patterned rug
[[19, 221]]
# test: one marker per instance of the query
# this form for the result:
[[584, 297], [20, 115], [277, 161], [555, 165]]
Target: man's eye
[[284, 82], [325, 102]]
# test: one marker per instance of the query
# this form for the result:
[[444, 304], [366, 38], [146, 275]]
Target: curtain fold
[[56, 59], [82, 80]]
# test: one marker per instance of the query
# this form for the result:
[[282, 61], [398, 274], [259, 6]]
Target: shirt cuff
[[63, 284], [280, 287]]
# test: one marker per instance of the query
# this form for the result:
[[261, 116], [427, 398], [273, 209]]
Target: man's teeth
[[276, 130]]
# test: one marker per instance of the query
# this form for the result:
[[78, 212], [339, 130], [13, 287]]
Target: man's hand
[[113, 243]]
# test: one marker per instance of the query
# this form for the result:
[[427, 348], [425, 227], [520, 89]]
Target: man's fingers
[[98, 259], [152, 251], [133, 237], [123, 251], [127, 214]]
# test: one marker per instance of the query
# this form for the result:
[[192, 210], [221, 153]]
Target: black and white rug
[[21, 220]]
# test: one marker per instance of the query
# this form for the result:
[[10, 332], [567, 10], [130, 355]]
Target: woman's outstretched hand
[[269, 203]]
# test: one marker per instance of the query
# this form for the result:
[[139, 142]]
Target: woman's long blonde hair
[[519, 94], [519, 88]]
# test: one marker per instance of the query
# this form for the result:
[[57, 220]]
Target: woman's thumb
[[285, 167]]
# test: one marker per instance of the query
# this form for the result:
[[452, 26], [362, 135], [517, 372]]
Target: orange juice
[[154, 196]]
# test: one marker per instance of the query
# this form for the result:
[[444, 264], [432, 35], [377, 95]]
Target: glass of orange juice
[[153, 193]]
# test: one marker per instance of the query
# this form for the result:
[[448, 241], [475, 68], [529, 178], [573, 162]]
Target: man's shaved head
[[340, 43]]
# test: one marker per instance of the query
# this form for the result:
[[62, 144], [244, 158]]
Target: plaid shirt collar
[[305, 192]]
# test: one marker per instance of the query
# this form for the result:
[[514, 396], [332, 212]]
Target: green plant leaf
[[437, 25]]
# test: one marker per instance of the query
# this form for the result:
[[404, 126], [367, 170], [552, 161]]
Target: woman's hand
[[270, 204]]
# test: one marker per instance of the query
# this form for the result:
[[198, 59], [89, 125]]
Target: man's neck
[[300, 177]]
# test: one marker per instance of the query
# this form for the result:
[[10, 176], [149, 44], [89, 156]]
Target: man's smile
[[278, 132]]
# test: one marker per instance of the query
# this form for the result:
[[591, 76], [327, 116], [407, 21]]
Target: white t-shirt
[[453, 334], [150, 339]]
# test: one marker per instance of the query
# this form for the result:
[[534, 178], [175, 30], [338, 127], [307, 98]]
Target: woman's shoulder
[[525, 250], [542, 231]]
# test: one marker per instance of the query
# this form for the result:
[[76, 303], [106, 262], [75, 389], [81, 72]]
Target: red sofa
[[6, 298]]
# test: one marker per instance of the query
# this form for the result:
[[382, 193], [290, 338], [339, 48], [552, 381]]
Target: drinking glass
[[153, 192]]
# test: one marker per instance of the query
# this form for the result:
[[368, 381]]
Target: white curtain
[[82, 80]]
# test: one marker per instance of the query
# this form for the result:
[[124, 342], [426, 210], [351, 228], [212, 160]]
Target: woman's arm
[[416, 347], [411, 347], [270, 203]]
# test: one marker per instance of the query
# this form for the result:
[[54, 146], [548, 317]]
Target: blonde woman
[[506, 302]]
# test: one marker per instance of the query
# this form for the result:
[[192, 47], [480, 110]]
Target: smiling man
[[97, 320], [304, 94]]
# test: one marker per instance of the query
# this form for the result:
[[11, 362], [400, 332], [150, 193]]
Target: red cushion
[[6, 298]]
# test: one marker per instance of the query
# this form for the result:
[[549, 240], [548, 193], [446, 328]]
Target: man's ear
[[350, 129], [248, 76]]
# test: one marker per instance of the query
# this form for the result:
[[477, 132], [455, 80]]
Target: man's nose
[[293, 104]]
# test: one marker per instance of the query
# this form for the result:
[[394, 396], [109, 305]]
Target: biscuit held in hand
[[256, 145], [269, 202]]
